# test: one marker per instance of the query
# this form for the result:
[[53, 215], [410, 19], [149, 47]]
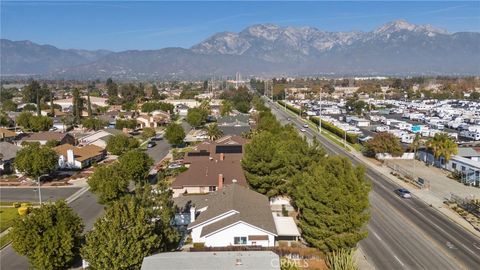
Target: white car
[[305, 125], [303, 130], [404, 193]]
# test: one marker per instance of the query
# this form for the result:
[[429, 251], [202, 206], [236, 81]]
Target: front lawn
[[7, 215]]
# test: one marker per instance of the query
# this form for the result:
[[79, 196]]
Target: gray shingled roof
[[251, 260], [8, 150], [467, 152], [252, 207]]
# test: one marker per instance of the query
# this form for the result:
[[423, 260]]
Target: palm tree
[[213, 132], [442, 146], [205, 105]]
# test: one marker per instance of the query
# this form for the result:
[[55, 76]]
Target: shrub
[[16, 205], [198, 245], [341, 260], [351, 138], [23, 211]]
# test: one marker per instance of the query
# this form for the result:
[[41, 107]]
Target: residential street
[[159, 151], [30, 194], [404, 234]]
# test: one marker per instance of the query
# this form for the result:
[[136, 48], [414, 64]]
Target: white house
[[72, 157], [231, 216], [99, 137]]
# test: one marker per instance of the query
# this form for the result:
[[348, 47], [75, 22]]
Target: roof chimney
[[220, 182], [222, 156], [192, 213], [70, 156]]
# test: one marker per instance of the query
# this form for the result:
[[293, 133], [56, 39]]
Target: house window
[[240, 240], [454, 165], [463, 168], [212, 188]]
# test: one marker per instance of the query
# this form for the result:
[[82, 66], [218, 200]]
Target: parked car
[[175, 166], [151, 144], [404, 193]]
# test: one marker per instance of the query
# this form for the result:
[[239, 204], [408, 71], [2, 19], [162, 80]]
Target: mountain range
[[396, 48]]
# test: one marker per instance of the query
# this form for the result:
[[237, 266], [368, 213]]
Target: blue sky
[[121, 25]]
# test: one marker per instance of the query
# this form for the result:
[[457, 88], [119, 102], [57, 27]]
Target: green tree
[[384, 142], [148, 133], [112, 91], [127, 123], [9, 106], [226, 108], [35, 160], [123, 237], [155, 94], [93, 123], [332, 202], [135, 165], [159, 200], [175, 134], [442, 146], [77, 105], [108, 183], [23, 119], [213, 132], [119, 144], [52, 143], [49, 236], [196, 116]]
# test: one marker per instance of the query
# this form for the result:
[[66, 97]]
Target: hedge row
[[290, 107], [351, 138]]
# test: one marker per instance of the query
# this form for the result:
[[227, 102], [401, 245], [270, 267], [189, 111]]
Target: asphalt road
[[405, 234], [30, 194], [159, 151], [86, 206]]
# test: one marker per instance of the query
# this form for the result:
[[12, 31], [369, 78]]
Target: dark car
[[151, 144], [404, 193]]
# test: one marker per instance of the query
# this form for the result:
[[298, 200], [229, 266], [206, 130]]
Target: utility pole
[[320, 115]]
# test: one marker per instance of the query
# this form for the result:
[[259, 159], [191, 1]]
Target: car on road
[[151, 144], [305, 125], [404, 193], [175, 166], [303, 130]]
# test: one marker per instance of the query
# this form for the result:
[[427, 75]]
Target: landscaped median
[[328, 130]]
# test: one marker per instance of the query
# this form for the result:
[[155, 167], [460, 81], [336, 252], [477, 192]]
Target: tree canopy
[[213, 131], [135, 165], [129, 231], [153, 106], [108, 183], [197, 116], [49, 236], [332, 200], [33, 122], [174, 134], [384, 142], [442, 146], [35, 160], [119, 144], [148, 132]]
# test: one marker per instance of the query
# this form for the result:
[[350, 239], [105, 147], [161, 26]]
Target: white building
[[231, 216]]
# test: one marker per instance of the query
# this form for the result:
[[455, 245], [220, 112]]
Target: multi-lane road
[[403, 234]]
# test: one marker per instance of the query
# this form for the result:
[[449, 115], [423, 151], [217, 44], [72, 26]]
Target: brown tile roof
[[204, 173], [46, 136], [5, 133], [80, 153], [251, 207]]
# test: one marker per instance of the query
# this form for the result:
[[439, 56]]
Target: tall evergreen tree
[[332, 201], [123, 237]]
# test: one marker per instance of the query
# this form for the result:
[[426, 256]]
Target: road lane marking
[[376, 235], [399, 260]]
